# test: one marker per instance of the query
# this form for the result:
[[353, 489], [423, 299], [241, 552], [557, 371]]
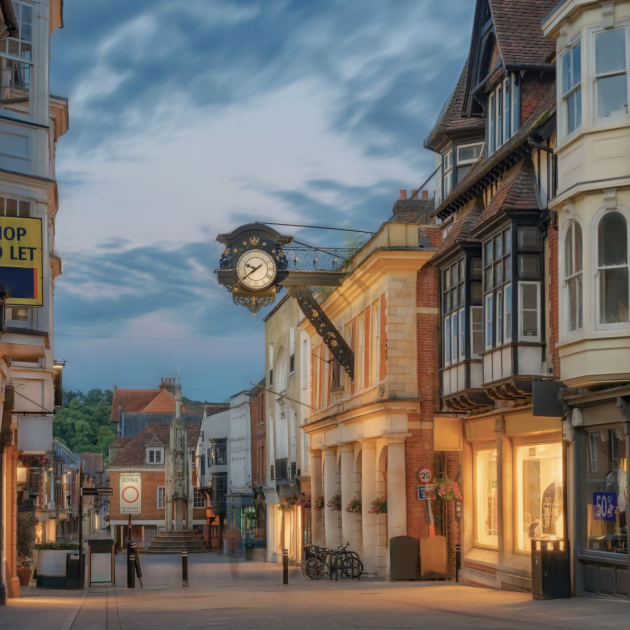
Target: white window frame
[[197, 494], [447, 173], [461, 162], [447, 340], [305, 363], [462, 334], [507, 311], [454, 338], [521, 336], [161, 505], [565, 96], [570, 229], [498, 108], [499, 308], [490, 122], [619, 25], [488, 305], [596, 267], [154, 450], [473, 331]]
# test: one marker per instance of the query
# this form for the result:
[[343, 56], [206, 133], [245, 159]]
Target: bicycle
[[320, 562]]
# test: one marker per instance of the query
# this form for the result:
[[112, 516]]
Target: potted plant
[[335, 503], [379, 506], [354, 507], [318, 504], [51, 563], [25, 540]]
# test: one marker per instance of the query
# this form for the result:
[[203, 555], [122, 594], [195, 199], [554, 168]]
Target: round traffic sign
[[425, 475], [126, 490]]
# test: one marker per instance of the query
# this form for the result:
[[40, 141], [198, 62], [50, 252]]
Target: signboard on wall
[[35, 434], [131, 493], [423, 491], [604, 506], [21, 267]]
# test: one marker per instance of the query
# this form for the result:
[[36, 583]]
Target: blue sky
[[188, 119]]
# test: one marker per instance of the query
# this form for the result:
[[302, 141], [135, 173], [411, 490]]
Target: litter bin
[[73, 571], [551, 569], [403, 558], [249, 552]]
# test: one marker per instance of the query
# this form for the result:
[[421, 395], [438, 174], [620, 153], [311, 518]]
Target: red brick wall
[[533, 88], [258, 432]]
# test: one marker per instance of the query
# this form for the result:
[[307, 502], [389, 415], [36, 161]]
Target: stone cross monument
[[179, 497]]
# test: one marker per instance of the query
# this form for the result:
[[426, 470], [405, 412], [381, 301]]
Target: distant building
[[258, 431], [145, 453]]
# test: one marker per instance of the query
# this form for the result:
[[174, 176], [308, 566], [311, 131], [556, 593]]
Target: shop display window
[[486, 509], [606, 490], [539, 500]]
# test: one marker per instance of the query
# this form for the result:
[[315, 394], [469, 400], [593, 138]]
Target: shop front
[[241, 525], [513, 494], [598, 434]]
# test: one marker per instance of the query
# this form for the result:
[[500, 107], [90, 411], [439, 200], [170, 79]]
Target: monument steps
[[175, 541]]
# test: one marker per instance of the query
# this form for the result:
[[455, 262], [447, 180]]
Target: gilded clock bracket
[[337, 345]]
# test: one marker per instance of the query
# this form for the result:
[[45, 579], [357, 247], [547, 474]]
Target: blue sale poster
[[604, 506]]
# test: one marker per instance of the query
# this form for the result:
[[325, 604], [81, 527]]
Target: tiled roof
[[483, 166], [94, 461], [133, 454], [215, 408], [461, 230], [120, 442], [520, 36], [517, 191], [131, 400], [164, 402], [451, 120]]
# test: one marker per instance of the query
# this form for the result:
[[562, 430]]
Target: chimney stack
[[414, 194], [403, 194], [425, 195]]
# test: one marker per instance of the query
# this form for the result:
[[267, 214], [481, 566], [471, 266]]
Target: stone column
[[368, 494], [330, 487], [347, 494], [396, 487], [316, 491], [180, 506]]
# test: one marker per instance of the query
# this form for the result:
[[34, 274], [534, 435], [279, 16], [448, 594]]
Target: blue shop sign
[[604, 506]]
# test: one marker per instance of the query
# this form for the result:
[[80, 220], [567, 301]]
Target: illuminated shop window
[[486, 509], [606, 490], [539, 503]]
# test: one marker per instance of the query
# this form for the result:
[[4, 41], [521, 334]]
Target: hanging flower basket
[[445, 490], [34, 461], [319, 503], [335, 503], [289, 502], [379, 506], [354, 507], [305, 501]]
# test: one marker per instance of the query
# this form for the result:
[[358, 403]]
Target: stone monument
[[179, 493]]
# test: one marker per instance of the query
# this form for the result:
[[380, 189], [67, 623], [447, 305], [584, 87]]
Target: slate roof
[[451, 120], [517, 191], [483, 166], [133, 454], [520, 36]]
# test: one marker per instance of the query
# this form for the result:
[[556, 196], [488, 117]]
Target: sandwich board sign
[[131, 493]]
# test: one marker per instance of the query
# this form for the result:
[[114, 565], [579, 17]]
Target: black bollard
[[285, 566], [185, 567], [131, 570], [458, 561]]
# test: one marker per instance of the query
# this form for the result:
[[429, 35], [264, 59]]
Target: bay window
[[16, 59], [497, 276], [476, 326], [612, 268], [572, 87], [447, 171], [611, 79], [453, 302], [503, 113], [573, 275]]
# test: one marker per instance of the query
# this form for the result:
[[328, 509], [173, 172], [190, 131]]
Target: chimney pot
[[414, 194], [425, 195], [403, 194]]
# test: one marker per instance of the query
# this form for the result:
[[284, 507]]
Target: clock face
[[256, 269]]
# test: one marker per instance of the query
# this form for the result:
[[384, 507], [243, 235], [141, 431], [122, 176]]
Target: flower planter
[[24, 575]]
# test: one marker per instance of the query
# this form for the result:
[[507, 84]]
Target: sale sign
[[604, 506], [131, 493]]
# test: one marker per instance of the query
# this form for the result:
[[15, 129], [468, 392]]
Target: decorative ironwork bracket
[[332, 338]]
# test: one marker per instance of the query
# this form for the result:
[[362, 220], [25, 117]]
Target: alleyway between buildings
[[246, 595]]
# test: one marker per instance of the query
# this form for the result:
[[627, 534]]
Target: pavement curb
[[67, 624]]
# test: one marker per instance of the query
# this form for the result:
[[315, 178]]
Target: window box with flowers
[[379, 506], [318, 504], [34, 461], [354, 507]]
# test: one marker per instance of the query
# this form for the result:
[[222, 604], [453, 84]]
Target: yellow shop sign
[[21, 267]]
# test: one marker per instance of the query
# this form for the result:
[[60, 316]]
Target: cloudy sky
[[188, 119]]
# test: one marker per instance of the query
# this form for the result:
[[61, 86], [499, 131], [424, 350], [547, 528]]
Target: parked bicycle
[[324, 562]]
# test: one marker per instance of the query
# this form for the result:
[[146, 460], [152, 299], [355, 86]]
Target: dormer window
[[155, 455], [503, 113], [447, 171]]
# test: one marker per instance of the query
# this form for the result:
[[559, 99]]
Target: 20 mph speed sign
[[130, 493], [425, 475]]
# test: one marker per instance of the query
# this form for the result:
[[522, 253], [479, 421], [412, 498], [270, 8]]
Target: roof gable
[[131, 401], [164, 402]]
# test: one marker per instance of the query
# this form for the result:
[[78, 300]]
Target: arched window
[[573, 274], [612, 268]]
